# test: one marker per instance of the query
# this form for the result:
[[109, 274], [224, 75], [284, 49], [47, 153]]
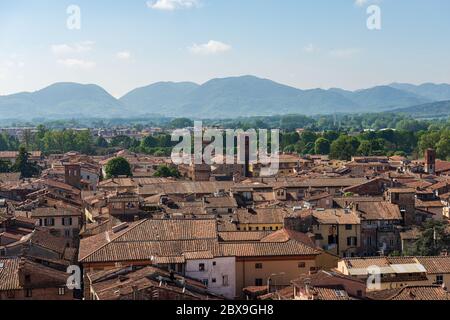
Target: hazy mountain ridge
[[438, 109], [226, 97]]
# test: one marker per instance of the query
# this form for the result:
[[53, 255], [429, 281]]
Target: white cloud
[[77, 63], [123, 55], [65, 49], [212, 47], [170, 5], [311, 48], [345, 53], [11, 66]]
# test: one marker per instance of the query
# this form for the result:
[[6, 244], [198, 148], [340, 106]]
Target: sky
[[124, 44]]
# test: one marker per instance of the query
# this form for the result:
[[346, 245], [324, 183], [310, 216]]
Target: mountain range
[[219, 98]]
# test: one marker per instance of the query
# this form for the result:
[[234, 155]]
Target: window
[[352, 241], [28, 293], [205, 282], [67, 233], [348, 227], [258, 266], [214, 263], [359, 293], [61, 291], [27, 278], [230, 210], [440, 279], [49, 222], [10, 294], [201, 267], [213, 280], [259, 282], [67, 221], [225, 281], [301, 265]]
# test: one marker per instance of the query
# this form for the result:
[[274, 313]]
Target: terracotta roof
[[379, 211], [117, 284], [412, 234], [402, 190], [435, 265], [258, 249], [43, 238], [148, 239], [262, 215], [336, 216], [220, 202], [9, 275], [442, 166], [421, 293], [44, 212], [185, 187], [14, 154], [239, 236]]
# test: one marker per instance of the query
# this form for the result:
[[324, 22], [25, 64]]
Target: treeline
[[343, 145], [409, 137]]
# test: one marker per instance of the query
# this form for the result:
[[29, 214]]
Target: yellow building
[[336, 230]]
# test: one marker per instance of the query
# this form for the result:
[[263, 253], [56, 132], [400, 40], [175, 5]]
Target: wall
[[246, 272], [224, 267]]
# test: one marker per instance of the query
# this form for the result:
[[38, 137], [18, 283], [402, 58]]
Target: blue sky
[[123, 44]]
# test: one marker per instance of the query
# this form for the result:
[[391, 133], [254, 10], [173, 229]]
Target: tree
[[149, 142], [24, 166], [322, 146], [118, 167], [124, 142], [101, 142], [443, 146], [181, 123], [429, 140], [344, 148], [5, 166], [166, 172], [433, 240]]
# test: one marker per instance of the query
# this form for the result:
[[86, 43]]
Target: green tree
[[443, 146], [322, 146], [428, 140], [118, 167], [344, 148], [433, 241], [101, 142], [166, 172], [181, 123], [24, 166], [5, 166]]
